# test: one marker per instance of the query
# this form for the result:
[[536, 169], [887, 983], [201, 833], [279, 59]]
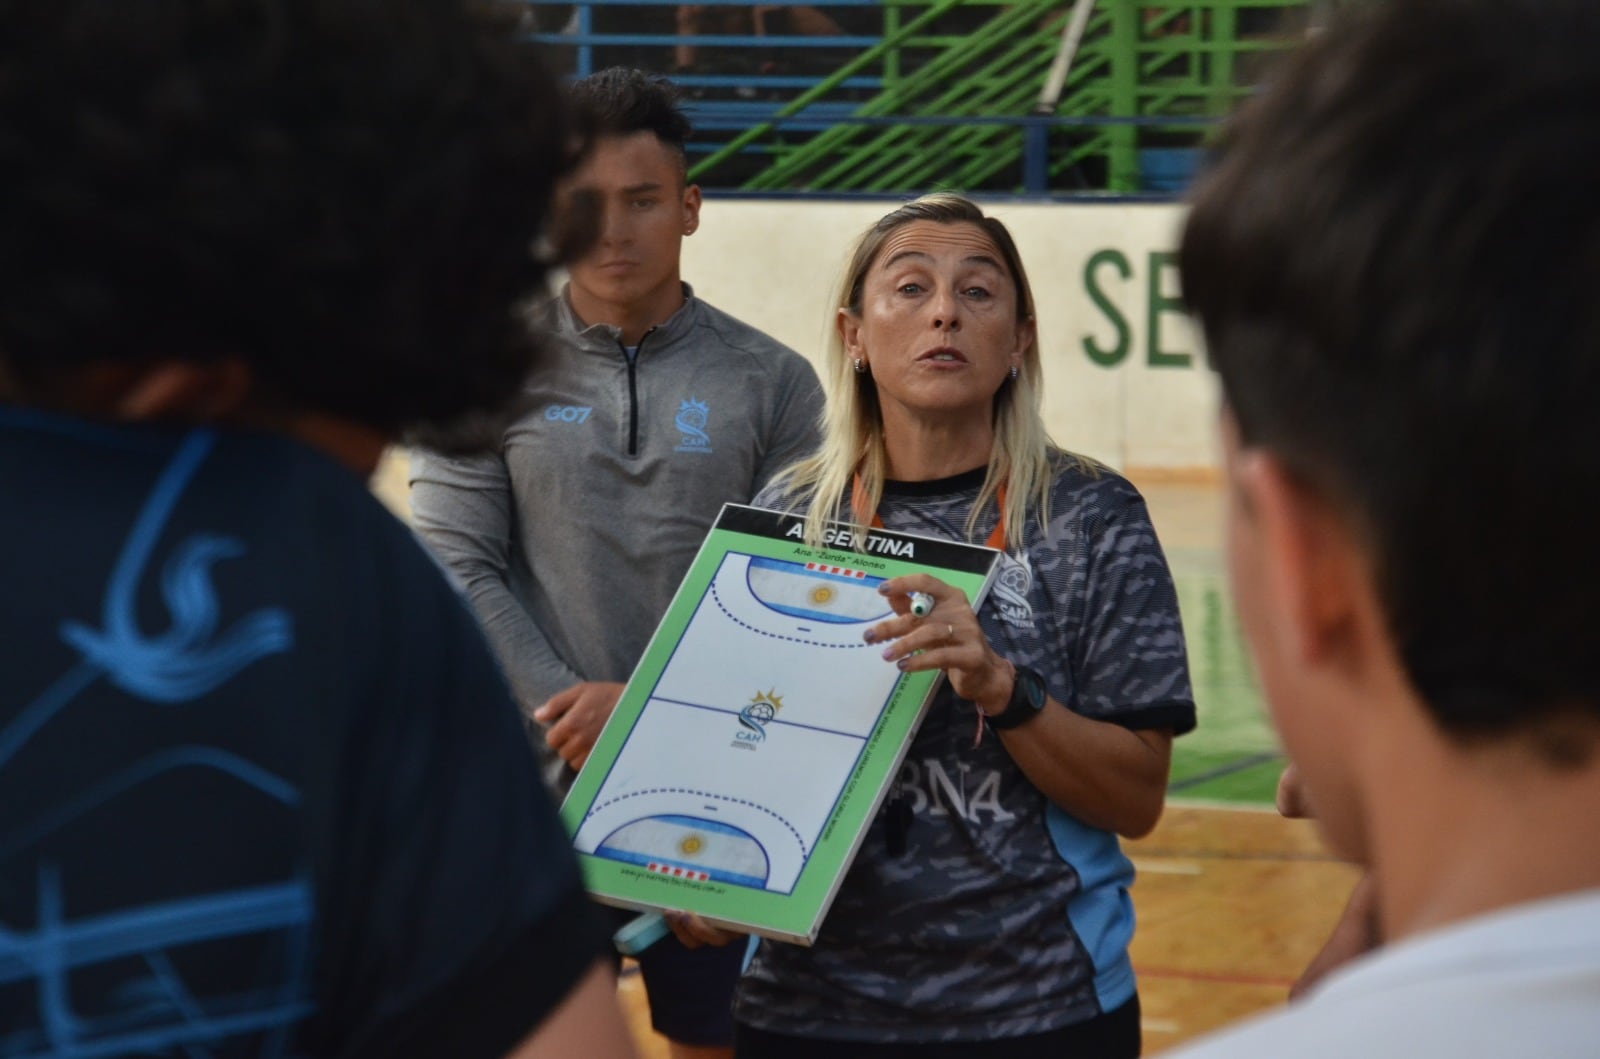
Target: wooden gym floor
[[1232, 901], [1231, 904]]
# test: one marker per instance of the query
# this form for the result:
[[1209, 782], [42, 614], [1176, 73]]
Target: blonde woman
[[987, 912]]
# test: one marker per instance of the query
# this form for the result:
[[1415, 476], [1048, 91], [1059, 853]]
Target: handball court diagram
[[766, 704]]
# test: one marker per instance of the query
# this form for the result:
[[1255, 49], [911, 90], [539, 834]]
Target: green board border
[[797, 915]]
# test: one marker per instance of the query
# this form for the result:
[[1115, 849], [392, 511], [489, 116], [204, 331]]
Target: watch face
[[1027, 699], [1032, 687]]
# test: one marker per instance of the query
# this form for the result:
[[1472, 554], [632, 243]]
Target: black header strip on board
[[909, 547]]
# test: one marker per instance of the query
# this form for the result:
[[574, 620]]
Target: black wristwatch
[[1027, 699]]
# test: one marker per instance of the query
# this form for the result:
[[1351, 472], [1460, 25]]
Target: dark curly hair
[[344, 193]]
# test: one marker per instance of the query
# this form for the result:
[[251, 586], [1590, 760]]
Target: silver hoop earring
[[1014, 371], [861, 366]]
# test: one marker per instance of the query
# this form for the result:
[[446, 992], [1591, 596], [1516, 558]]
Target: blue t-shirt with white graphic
[[262, 789], [995, 914]]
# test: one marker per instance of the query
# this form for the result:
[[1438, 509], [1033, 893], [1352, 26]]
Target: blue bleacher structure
[[1038, 97]]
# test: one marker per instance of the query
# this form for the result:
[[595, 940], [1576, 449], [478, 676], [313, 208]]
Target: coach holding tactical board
[[986, 916]]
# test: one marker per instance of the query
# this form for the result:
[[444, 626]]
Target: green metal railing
[[958, 111]]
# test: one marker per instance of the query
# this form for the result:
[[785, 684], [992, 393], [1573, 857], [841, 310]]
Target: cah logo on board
[[754, 718], [1011, 592]]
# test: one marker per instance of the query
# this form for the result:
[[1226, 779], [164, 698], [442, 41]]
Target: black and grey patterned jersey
[[999, 915]]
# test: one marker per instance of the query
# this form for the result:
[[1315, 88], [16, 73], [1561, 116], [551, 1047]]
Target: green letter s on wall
[[1157, 304], [1103, 357]]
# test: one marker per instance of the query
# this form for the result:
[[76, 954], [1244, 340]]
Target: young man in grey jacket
[[656, 408]]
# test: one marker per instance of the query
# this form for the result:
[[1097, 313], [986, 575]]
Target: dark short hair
[[344, 193], [1395, 258], [619, 101]]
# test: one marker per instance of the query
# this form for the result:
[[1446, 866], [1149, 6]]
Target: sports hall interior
[[1232, 900], [1079, 124]]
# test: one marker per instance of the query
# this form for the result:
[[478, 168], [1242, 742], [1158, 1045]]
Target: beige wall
[[775, 263]]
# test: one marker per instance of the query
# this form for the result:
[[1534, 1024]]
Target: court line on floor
[[1217, 977], [1160, 866], [1147, 853], [1249, 761]]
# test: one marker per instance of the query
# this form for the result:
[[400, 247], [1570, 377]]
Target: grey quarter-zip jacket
[[571, 539]]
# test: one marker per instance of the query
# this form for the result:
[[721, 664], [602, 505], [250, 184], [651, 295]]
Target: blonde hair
[[852, 447]]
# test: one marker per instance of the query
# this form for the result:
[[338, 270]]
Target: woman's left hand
[[694, 932], [1105, 775], [948, 637]]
